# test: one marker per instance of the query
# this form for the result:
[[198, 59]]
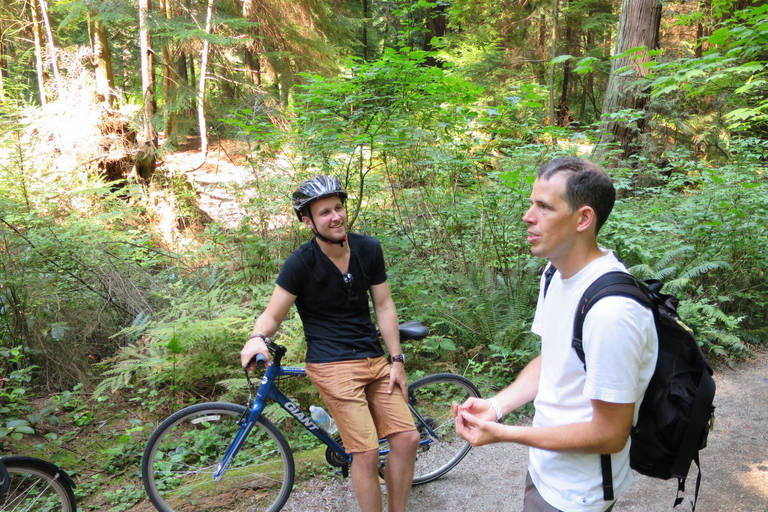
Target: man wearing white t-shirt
[[580, 414]]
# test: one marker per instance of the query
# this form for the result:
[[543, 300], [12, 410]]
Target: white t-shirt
[[620, 345]]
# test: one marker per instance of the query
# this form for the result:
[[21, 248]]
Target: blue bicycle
[[219, 456]]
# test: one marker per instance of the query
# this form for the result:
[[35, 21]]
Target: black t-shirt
[[336, 316]]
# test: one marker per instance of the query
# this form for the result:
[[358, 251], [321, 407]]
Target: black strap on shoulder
[[609, 284], [548, 273]]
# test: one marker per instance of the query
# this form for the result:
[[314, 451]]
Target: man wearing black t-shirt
[[329, 278]]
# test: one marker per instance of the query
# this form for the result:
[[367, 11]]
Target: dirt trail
[[490, 479]]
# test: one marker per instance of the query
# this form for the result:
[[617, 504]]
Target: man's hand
[[476, 430], [252, 347], [479, 407], [475, 421], [398, 377]]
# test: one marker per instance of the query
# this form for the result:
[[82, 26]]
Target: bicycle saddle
[[413, 330]]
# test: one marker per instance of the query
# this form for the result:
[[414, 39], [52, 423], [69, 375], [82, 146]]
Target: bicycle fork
[[253, 411]]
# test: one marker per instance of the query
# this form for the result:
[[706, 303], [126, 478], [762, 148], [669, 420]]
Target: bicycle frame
[[269, 390]]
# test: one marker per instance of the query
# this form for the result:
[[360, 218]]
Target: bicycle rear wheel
[[36, 485], [431, 397], [186, 449]]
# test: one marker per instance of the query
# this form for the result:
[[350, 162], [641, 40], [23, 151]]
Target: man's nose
[[528, 216]]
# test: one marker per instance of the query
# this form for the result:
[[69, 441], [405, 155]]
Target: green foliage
[[192, 345], [705, 244], [490, 322], [734, 68], [383, 112]]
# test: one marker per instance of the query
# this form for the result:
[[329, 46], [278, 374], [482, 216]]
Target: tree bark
[[51, 47], [146, 159], [147, 71], [170, 79], [638, 27], [201, 88], [101, 60], [37, 35], [365, 30], [552, 118], [3, 62], [252, 49]]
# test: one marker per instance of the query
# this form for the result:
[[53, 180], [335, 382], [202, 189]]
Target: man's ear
[[307, 222], [587, 219]]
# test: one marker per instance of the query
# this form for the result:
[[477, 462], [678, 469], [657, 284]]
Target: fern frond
[[672, 255], [676, 286], [702, 268], [643, 271]]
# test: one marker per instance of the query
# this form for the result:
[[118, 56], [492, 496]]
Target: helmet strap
[[328, 241], [321, 237]]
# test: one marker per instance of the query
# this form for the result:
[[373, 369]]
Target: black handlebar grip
[[260, 360]]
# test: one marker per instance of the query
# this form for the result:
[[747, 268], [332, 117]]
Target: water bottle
[[323, 419]]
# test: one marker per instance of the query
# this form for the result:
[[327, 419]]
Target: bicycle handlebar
[[411, 330]]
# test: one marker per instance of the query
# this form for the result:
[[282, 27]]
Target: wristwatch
[[400, 358]]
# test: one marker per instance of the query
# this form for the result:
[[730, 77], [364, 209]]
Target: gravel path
[[490, 478]]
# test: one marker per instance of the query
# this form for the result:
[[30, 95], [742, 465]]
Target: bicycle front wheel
[[431, 398], [36, 485], [183, 453]]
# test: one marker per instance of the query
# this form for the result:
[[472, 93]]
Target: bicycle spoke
[[184, 453], [441, 448]]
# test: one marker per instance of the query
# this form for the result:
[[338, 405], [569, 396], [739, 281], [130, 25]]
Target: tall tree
[[170, 76], [627, 90], [201, 87], [147, 70], [146, 159], [102, 58], [3, 61], [39, 38], [51, 46]]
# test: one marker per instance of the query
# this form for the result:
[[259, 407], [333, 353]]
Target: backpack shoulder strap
[[548, 273], [615, 283]]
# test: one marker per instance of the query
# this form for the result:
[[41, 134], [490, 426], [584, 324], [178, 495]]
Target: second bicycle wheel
[[36, 485], [431, 397], [185, 450]]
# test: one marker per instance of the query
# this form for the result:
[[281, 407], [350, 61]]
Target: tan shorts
[[355, 394]]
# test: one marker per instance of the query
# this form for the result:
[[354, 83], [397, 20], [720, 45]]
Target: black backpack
[[676, 412]]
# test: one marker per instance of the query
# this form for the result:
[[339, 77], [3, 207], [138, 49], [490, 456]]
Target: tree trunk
[[51, 47], [3, 62], [37, 34], [638, 27], [101, 60], [170, 80], [365, 30], [552, 118], [147, 71], [252, 49], [145, 161], [201, 88]]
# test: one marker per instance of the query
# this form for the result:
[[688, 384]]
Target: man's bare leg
[[365, 480], [399, 469]]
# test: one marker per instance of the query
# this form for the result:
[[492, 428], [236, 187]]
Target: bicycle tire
[[36, 485], [431, 397], [184, 451]]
